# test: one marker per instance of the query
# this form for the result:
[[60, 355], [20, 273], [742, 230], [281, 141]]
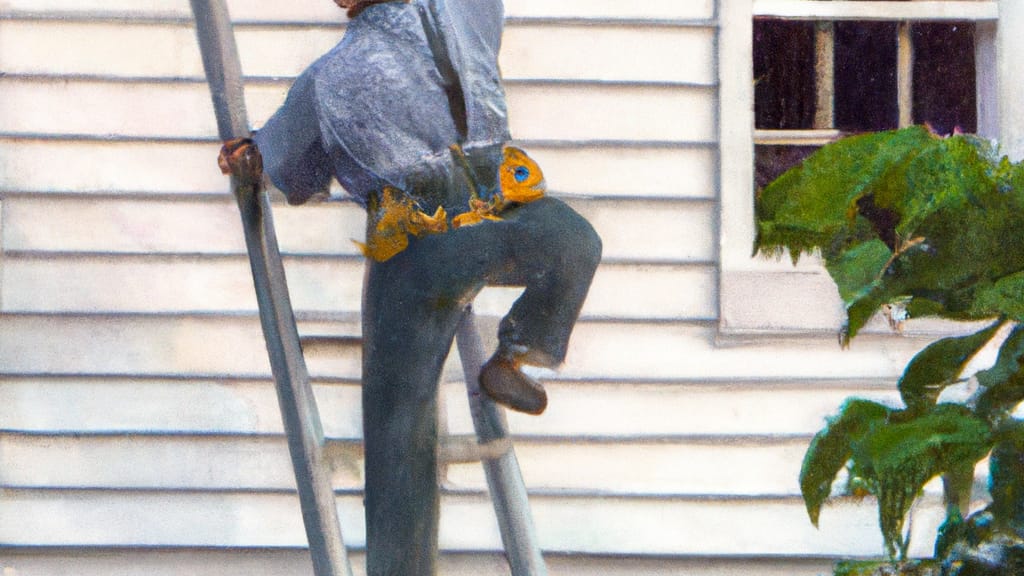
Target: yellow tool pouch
[[394, 215], [393, 218], [521, 181]]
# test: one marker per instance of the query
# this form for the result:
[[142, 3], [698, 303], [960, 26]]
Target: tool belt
[[395, 215]]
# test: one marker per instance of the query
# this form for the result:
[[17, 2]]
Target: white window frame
[[774, 297]]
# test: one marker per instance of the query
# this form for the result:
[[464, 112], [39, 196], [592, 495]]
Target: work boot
[[505, 383]]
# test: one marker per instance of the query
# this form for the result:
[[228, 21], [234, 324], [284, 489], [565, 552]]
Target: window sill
[[772, 299], [796, 137]]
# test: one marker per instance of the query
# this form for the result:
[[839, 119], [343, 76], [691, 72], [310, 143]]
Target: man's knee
[[590, 245], [579, 244]]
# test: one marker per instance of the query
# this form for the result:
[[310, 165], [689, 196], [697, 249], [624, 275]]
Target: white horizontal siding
[[202, 284], [637, 170], [526, 53], [147, 167], [554, 112], [166, 285], [109, 405], [610, 112], [104, 166], [232, 463], [659, 231], [726, 411], [318, 10], [734, 411], [632, 230], [164, 463], [655, 469], [161, 225], [284, 562], [97, 48], [262, 562], [156, 256], [565, 524], [650, 9], [233, 346]]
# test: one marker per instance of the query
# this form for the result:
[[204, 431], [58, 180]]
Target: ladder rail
[[294, 391], [504, 478]]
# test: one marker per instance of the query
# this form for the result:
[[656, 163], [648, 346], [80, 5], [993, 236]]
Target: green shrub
[[933, 226]]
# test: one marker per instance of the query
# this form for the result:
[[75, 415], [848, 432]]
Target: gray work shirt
[[374, 110]]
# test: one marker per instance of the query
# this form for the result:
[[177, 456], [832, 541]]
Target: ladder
[[295, 394]]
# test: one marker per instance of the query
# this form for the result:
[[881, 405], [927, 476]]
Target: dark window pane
[[865, 90], [772, 161], [944, 79], [783, 74], [865, 76]]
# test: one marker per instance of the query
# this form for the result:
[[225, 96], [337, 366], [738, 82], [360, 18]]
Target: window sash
[[828, 11]]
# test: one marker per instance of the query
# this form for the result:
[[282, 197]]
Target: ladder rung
[[463, 449]]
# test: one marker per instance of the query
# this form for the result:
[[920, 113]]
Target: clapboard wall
[[140, 432]]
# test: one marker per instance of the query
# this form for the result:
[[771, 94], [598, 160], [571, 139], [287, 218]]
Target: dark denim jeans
[[411, 308]]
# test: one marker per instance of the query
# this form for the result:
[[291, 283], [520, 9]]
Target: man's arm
[[291, 147], [472, 32]]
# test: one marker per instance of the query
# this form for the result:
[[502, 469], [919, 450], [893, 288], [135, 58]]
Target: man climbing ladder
[[408, 113]]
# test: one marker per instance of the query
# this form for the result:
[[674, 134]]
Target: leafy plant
[[932, 226], [871, 568]]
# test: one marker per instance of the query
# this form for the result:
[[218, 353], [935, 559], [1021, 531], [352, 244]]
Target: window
[[816, 81], [795, 74]]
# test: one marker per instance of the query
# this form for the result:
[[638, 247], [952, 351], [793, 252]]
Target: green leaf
[[948, 208], [812, 205], [1005, 297], [907, 455], [1008, 361], [947, 174], [938, 366], [950, 532], [920, 306], [860, 311], [857, 271], [957, 485], [832, 447], [1004, 381], [1006, 474]]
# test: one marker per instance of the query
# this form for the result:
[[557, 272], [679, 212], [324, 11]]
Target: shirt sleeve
[[472, 32], [292, 148]]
